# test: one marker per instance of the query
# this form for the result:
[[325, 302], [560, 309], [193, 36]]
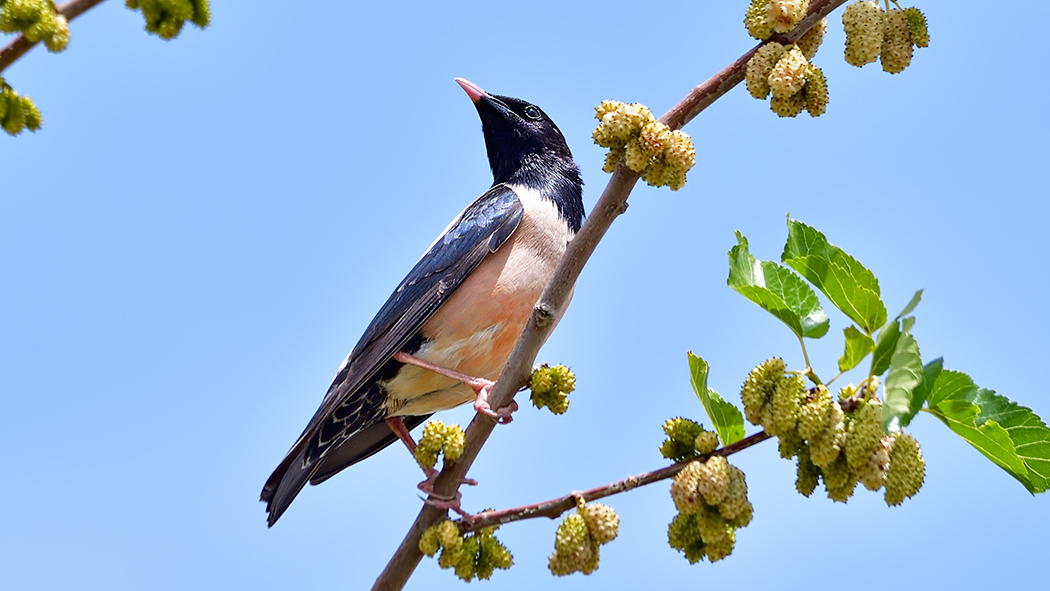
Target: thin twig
[[555, 507], [17, 48], [612, 203]]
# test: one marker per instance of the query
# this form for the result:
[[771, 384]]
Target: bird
[[458, 312]]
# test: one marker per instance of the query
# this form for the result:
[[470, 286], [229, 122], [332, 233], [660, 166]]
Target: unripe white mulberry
[[706, 442], [810, 42], [813, 415], [873, 473], [743, 518], [907, 470], [682, 531], [684, 491], [784, 15], [791, 106], [654, 137], [863, 435], [713, 527], [789, 74], [759, 66], [611, 160], [59, 39], [713, 479], [896, 43], [735, 501], [634, 157], [816, 91], [824, 447], [759, 386], [584, 559], [863, 24], [679, 151], [602, 522], [757, 21], [786, 402], [807, 474], [571, 535], [839, 480], [720, 549], [920, 35], [455, 440], [606, 107], [789, 442]]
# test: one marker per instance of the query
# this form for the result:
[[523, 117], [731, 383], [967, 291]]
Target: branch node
[[543, 313]]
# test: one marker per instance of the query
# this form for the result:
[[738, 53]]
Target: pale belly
[[476, 329]]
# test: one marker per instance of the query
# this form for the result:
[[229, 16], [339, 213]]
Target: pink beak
[[473, 90]]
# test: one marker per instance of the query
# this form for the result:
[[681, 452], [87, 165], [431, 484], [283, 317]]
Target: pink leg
[[480, 386], [398, 427]]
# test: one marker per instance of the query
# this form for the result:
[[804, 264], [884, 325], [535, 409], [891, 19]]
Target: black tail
[[292, 475], [286, 481]]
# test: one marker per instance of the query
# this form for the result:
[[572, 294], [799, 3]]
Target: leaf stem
[[832, 380]]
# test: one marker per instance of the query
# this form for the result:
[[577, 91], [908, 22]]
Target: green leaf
[[885, 345], [858, 345], [1010, 435], [911, 305], [847, 283], [930, 371], [726, 418], [906, 376], [777, 290]]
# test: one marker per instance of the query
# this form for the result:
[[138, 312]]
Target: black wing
[[354, 402]]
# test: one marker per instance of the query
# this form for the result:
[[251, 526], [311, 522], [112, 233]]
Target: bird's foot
[[481, 386], [502, 415], [427, 485], [448, 503]]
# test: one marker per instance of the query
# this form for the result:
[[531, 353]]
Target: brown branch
[[555, 507], [612, 203], [17, 48]]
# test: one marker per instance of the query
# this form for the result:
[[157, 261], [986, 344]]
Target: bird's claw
[[427, 485], [502, 415], [446, 503]]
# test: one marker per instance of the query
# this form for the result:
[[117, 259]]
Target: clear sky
[[203, 228]]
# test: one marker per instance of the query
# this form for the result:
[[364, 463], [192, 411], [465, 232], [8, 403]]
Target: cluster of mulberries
[[661, 155], [786, 73], [551, 387], [853, 448], [872, 33], [37, 20], [838, 441], [477, 554], [17, 112], [579, 536], [165, 18], [687, 439], [711, 498], [765, 17], [437, 438]]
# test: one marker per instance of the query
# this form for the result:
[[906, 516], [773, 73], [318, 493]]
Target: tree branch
[[17, 48], [612, 203], [555, 507]]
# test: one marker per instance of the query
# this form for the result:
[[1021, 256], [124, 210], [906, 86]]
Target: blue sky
[[203, 228]]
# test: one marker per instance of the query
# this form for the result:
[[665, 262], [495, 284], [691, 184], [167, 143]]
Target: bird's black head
[[526, 147]]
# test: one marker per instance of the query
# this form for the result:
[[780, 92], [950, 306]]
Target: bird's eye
[[532, 112]]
